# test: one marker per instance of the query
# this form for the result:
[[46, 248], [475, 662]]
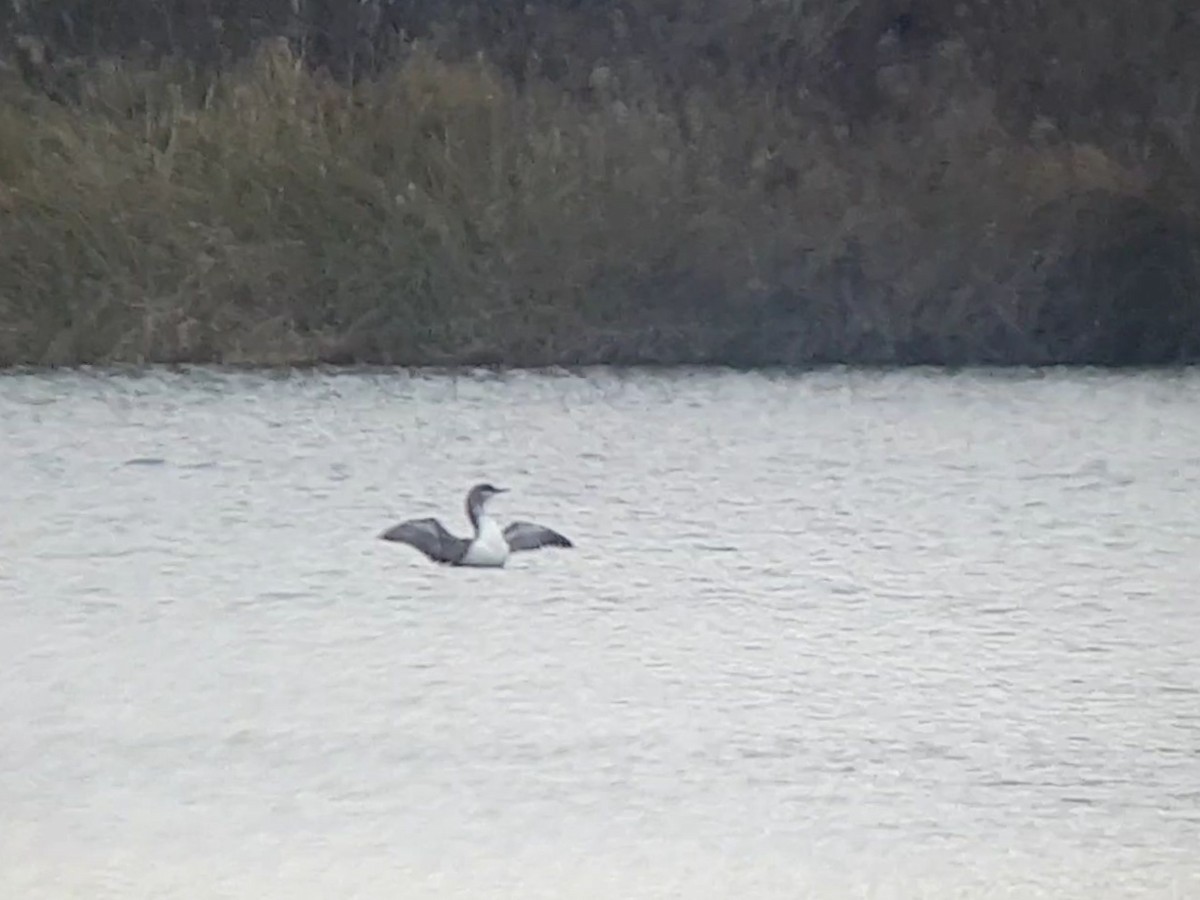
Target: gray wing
[[529, 536], [428, 536]]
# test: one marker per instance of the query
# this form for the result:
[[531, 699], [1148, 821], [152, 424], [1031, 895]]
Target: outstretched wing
[[529, 536], [428, 536]]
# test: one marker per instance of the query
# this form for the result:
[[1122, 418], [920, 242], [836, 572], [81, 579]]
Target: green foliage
[[453, 207]]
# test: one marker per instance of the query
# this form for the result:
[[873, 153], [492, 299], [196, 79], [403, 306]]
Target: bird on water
[[489, 548]]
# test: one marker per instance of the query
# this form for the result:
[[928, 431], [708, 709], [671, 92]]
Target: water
[[840, 635]]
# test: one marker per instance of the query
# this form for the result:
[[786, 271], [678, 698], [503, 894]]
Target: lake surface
[[834, 635]]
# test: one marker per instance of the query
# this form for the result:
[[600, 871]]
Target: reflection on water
[[839, 635]]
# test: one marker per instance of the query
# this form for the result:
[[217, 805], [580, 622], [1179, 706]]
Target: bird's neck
[[478, 517], [487, 529]]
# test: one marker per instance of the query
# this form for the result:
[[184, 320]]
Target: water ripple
[[842, 634]]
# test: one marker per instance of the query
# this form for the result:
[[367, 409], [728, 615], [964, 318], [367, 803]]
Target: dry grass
[[437, 214]]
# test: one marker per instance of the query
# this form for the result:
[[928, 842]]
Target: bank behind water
[[437, 213]]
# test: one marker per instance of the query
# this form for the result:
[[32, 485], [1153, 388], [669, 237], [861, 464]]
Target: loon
[[489, 548]]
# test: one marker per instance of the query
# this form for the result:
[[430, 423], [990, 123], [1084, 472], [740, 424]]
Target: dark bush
[[662, 181]]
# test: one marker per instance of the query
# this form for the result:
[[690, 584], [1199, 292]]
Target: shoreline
[[445, 210], [1016, 371]]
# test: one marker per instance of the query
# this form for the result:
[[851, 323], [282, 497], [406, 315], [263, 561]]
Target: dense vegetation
[[580, 181]]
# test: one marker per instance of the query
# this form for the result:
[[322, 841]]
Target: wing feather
[[428, 536], [531, 536]]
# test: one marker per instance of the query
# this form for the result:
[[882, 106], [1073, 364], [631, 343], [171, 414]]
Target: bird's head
[[478, 496], [485, 492]]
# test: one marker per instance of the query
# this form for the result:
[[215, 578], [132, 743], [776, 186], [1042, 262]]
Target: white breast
[[489, 548]]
